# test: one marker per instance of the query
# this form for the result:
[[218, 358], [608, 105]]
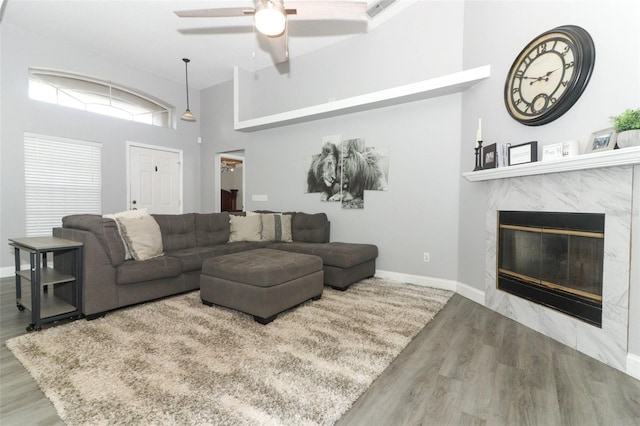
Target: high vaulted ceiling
[[147, 35]]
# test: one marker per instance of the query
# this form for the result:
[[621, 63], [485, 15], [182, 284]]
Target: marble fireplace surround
[[597, 190]]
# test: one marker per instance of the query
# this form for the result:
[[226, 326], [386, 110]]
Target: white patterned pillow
[[245, 228], [127, 213], [276, 227], [142, 235]]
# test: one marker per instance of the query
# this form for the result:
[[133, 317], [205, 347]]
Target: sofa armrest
[[99, 290], [105, 230]]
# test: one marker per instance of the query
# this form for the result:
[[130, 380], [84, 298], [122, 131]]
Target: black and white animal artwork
[[322, 175], [343, 170]]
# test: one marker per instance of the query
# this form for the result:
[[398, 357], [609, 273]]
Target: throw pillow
[[127, 213], [142, 235], [245, 228], [276, 227]]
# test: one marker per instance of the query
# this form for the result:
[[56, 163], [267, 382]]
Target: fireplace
[[553, 259]]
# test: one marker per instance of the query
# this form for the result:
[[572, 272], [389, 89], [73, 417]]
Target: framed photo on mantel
[[489, 157], [602, 140], [523, 153]]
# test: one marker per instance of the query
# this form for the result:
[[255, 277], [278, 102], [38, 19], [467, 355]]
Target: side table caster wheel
[[20, 307], [32, 327]]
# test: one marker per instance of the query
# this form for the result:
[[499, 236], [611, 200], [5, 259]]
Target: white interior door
[[155, 177]]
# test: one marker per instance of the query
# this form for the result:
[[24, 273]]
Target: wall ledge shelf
[[617, 157], [439, 86]]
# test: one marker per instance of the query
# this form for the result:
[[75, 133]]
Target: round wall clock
[[549, 75]]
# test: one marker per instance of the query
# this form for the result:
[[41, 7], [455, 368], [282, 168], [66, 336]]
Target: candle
[[479, 133]]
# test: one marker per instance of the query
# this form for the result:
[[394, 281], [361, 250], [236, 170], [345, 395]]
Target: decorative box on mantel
[[600, 183]]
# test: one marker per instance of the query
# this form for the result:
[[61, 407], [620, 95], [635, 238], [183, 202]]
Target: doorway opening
[[229, 188]]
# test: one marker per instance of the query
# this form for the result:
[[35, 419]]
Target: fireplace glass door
[[554, 260]]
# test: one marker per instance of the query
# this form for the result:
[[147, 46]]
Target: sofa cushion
[[105, 230], [178, 230], [245, 228], [310, 228], [192, 258], [142, 235], [132, 272], [276, 227], [342, 255], [241, 246], [212, 228]]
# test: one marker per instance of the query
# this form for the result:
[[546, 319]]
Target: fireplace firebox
[[553, 259]]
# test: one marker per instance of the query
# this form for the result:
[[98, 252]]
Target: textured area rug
[[177, 361]]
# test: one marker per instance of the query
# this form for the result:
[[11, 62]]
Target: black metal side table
[[46, 306]]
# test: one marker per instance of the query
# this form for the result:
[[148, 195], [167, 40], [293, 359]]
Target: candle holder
[[478, 149]]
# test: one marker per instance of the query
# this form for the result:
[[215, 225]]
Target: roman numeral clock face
[[549, 75]]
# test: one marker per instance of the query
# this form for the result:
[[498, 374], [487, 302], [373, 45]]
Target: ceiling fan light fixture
[[270, 17], [187, 115]]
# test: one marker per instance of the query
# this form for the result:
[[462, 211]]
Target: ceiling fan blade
[[278, 47], [225, 12], [327, 9]]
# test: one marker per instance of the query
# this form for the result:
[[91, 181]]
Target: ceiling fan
[[270, 17]]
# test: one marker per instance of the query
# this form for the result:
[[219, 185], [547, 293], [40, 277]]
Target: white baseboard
[[460, 288], [471, 293], [9, 271], [633, 366], [418, 280]]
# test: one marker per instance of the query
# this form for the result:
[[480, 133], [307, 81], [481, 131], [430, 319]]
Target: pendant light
[[187, 115]]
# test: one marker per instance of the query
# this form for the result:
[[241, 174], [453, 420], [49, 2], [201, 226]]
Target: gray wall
[[494, 33], [420, 211], [429, 206], [422, 42], [22, 49]]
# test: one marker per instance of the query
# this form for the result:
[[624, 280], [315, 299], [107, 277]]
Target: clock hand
[[544, 77]]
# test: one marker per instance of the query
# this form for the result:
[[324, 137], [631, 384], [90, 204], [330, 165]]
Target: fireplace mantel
[[618, 157]]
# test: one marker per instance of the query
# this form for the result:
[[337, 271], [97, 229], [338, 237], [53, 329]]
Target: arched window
[[102, 97]]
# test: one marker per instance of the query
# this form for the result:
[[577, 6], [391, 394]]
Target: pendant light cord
[[186, 78]]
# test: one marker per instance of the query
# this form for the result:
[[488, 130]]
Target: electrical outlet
[[426, 257]]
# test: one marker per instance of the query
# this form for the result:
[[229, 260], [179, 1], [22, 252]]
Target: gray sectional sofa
[[110, 281]]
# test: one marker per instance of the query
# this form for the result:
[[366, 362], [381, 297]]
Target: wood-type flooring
[[468, 366]]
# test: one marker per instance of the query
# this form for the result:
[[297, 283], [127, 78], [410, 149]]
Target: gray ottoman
[[262, 282]]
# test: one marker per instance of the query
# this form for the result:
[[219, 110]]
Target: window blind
[[62, 177]]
